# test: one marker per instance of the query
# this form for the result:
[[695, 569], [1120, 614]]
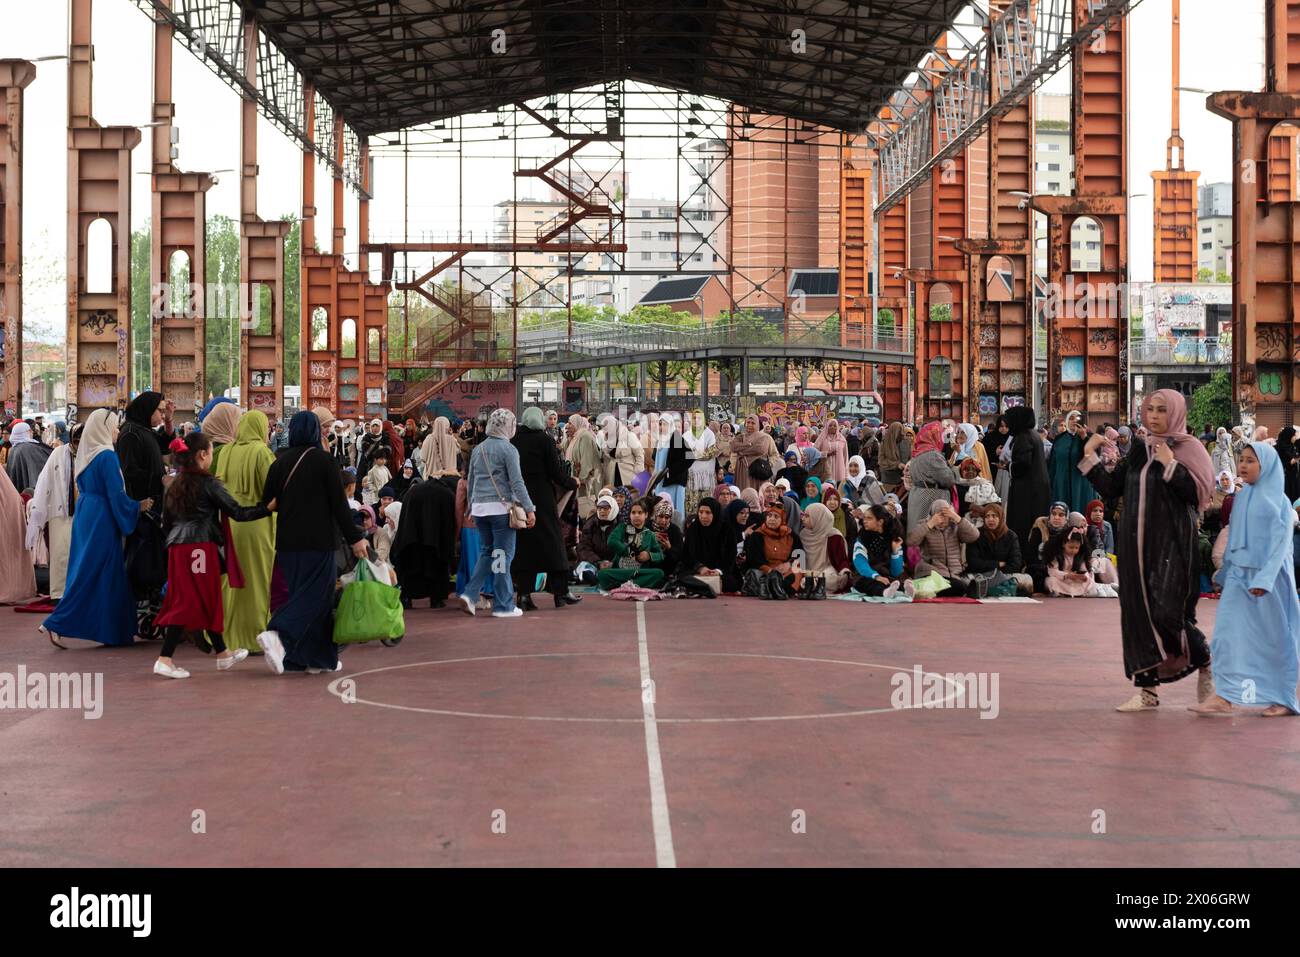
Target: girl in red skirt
[[195, 506]]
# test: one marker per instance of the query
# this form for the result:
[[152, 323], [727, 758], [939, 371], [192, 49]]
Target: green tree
[[141, 326], [292, 302], [221, 274], [1212, 403]]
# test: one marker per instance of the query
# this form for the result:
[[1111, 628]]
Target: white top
[[489, 508]]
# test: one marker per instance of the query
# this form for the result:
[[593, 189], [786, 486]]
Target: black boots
[[566, 599]]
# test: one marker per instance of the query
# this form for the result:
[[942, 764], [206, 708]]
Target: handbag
[[518, 517], [760, 470], [369, 610]]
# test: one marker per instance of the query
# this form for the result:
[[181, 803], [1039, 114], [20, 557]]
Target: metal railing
[[553, 341], [1191, 351]]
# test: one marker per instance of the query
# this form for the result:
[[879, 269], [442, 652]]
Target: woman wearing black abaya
[[313, 516], [1166, 480], [1031, 491], [140, 448], [540, 549], [710, 546], [425, 544], [1288, 450]]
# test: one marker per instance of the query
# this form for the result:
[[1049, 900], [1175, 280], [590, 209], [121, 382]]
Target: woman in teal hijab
[[812, 492]]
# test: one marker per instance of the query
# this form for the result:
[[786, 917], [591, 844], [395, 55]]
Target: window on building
[[1207, 245], [1206, 229], [1053, 167], [646, 257], [1089, 258], [1054, 187], [1053, 147]]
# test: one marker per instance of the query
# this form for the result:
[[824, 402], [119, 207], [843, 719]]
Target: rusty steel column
[[1173, 195], [99, 188], [1266, 228], [307, 241], [14, 77], [894, 248], [942, 264], [261, 267], [1002, 348], [1088, 309], [179, 350]]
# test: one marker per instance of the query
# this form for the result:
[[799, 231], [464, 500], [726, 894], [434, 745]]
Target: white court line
[[663, 827]]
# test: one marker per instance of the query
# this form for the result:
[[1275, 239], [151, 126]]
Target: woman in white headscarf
[[97, 602], [702, 445], [621, 450], [439, 450], [1222, 457], [826, 552], [26, 458]]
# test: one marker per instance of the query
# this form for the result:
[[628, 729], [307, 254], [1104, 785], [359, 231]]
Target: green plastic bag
[[926, 587], [369, 610]]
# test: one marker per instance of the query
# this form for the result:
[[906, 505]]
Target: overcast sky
[[1219, 52]]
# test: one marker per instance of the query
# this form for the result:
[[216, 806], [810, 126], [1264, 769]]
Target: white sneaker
[[468, 604], [891, 590], [515, 612], [274, 649], [225, 664], [910, 590], [323, 671], [169, 671]]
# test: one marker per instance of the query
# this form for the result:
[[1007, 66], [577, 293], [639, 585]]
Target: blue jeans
[[495, 535]]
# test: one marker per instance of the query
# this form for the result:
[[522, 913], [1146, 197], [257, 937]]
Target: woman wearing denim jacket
[[495, 483]]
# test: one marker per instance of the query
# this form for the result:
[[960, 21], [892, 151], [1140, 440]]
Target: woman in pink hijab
[[835, 450], [1167, 480]]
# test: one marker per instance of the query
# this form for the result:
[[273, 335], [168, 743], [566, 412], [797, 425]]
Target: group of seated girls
[[834, 539]]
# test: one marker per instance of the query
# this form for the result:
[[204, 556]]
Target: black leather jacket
[[204, 523]]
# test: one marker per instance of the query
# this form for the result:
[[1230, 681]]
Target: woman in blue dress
[[97, 603], [1256, 650]]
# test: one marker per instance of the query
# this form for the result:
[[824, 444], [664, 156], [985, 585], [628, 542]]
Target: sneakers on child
[[274, 649], [515, 612], [891, 590], [161, 667], [910, 590], [228, 662]]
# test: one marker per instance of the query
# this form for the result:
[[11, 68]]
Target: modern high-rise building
[[1214, 229]]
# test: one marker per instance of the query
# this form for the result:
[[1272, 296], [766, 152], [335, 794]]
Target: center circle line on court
[[334, 688]]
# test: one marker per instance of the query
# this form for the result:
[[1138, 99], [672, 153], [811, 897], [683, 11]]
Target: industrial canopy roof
[[391, 64]]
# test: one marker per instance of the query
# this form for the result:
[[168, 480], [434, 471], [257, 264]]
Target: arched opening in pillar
[[178, 278], [320, 329], [940, 378], [1283, 179], [99, 256], [1085, 245], [373, 348], [940, 303], [999, 280], [348, 336], [262, 316]]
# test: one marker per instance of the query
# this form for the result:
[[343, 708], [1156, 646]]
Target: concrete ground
[[700, 733]]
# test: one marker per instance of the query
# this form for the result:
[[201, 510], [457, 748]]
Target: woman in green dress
[[242, 469], [635, 548]]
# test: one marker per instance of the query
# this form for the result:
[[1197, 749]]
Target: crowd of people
[[235, 531]]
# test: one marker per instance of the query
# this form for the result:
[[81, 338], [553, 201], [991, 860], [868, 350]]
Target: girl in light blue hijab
[[1255, 653]]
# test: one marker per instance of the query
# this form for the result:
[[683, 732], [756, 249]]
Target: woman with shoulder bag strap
[[493, 468]]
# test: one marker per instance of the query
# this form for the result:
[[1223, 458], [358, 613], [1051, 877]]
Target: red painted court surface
[[759, 715]]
